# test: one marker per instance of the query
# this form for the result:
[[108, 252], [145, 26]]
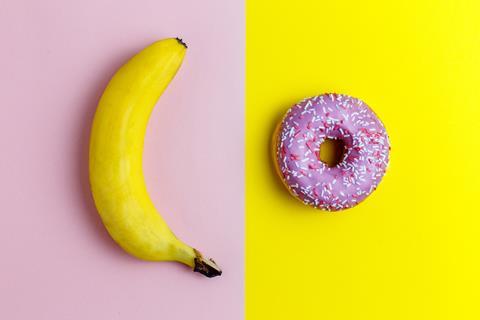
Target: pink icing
[[335, 116]]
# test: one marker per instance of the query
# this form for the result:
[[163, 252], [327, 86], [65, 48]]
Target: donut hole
[[332, 152]]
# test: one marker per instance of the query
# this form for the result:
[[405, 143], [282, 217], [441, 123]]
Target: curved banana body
[[116, 148]]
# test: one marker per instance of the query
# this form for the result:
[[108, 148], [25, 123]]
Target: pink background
[[56, 259]]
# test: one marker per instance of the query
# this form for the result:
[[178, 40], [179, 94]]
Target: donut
[[362, 154]]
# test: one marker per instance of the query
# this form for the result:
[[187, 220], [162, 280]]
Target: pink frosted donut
[[297, 147]]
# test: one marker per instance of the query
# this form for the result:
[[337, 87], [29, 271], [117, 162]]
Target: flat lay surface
[[410, 250], [58, 261]]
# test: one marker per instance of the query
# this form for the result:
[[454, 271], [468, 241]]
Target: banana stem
[[207, 267]]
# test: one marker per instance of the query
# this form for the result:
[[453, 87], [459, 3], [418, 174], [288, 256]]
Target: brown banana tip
[[181, 42], [207, 267]]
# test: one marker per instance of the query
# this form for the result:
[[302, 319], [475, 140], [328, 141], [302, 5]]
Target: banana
[[115, 158]]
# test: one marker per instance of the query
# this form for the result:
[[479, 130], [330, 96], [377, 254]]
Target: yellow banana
[[116, 148]]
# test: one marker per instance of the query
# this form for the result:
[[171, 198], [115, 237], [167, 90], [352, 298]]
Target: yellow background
[[411, 250]]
